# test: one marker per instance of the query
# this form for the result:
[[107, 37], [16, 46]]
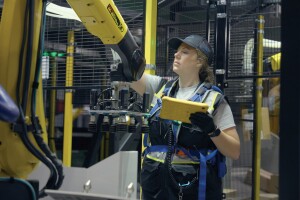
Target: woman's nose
[[177, 54]]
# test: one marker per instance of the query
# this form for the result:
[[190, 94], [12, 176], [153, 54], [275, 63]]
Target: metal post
[[150, 43], [220, 43], [68, 113], [258, 120], [150, 35]]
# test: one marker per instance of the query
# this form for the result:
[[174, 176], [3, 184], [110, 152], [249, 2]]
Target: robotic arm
[[103, 19]]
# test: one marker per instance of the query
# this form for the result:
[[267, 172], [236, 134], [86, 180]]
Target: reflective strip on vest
[[211, 100]]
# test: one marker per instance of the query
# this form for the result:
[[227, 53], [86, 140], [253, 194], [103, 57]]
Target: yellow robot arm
[[15, 160], [103, 19], [22, 142]]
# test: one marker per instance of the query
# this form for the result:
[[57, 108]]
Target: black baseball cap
[[196, 41]]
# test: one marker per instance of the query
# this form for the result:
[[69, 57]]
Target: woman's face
[[186, 61]]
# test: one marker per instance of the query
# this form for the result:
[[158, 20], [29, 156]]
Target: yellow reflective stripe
[[211, 106], [156, 159], [173, 162], [158, 95]]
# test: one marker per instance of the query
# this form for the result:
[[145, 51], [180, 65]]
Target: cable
[[28, 59], [135, 106], [169, 162], [21, 54], [58, 168], [29, 15], [25, 139]]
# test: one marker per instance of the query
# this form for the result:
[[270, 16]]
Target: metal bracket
[[221, 15], [150, 67], [220, 71], [221, 2]]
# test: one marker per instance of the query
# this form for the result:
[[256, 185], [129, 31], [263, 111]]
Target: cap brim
[[176, 42]]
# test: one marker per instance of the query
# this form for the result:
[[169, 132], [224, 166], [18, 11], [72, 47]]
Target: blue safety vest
[[209, 94]]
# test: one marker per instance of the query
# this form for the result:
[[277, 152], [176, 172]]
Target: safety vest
[[158, 145]]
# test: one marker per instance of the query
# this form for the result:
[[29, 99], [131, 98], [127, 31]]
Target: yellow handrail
[[68, 113]]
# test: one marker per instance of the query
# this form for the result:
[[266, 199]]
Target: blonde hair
[[205, 73]]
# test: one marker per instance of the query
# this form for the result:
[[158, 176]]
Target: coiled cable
[[168, 161]]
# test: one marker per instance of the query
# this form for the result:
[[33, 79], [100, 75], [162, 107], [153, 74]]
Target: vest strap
[[202, 174]]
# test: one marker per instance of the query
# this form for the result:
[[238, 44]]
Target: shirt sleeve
[[152, 83], [223, 117]]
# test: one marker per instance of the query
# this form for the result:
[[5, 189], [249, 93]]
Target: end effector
[[132, 64]]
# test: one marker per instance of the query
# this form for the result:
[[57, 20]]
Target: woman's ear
[[199, 62]]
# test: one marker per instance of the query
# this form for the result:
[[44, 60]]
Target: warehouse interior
[[81, 129]]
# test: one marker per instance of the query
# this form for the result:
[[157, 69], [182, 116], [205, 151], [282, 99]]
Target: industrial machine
[[116, 109], [23, 142]]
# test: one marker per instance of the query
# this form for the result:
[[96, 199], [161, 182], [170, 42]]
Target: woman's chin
[[175, 69]]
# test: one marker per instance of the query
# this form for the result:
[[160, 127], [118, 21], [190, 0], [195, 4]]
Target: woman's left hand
[[204, 121]]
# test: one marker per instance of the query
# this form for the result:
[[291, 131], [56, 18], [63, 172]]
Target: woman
[[182, 160]]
